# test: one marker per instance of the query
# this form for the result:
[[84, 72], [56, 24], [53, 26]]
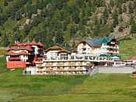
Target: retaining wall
[[116, 69]]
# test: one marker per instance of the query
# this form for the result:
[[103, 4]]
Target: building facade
[[56, 60], [21, 55], [105, 46]]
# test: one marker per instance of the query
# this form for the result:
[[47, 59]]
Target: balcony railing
[[83, 58]]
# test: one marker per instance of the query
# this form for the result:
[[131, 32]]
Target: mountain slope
[[128, 47], [62, 21]]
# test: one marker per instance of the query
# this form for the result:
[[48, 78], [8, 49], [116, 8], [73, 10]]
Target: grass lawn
[[14, 87], [106, 87]]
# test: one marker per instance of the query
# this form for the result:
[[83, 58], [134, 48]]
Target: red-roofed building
[[23, 54]]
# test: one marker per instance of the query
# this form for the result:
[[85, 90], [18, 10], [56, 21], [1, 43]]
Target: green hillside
[[128, 48], [62, 21], [15, 87]]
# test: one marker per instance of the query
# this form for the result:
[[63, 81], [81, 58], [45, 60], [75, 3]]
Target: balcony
[[113, 47], [113, 52], [14, 59]]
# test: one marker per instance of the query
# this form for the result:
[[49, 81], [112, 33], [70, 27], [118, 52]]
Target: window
[[72, 57], [64, 56], [86, 57], [84, 49], [84, 52]]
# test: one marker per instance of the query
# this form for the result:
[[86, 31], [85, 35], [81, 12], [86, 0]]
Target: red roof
[[11, 53], [20, 53], [22, 44], [16, 43], [40, 44], [20, 48], [25, 45], [16, 64], [23, 53], [29, 48], [19, 44], [33, 43], [13, 48]]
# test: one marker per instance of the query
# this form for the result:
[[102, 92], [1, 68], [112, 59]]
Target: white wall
[[24, 57], [30, 70], [97, 51], [103, 49], [7, 58], [116, 70], [89, 50], [52, 54], [81, 46]]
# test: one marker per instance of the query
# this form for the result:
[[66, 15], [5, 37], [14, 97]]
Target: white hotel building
[[86, 54]]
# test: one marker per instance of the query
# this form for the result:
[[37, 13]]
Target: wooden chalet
[[106, 46]]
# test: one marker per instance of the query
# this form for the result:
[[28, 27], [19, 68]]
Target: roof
[[28, 48], [63, 51], [13, 48], [27, 43], [23, 53], [109, 55], [40, 44], [55, 47], [20, 53], [33, 43], [97, 41], [11, 53], [98, 46], [21, 43]]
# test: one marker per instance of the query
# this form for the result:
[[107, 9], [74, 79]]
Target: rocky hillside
[[62, 21]]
